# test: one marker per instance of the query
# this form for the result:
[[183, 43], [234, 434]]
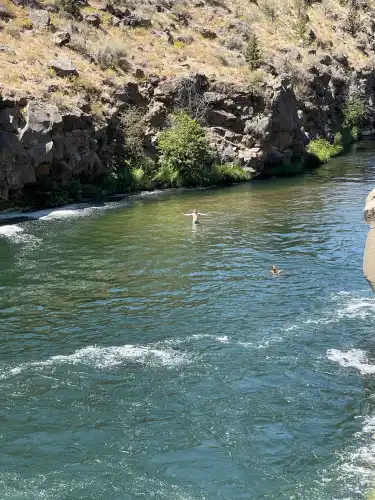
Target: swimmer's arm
[[199, 213], [182, 213]]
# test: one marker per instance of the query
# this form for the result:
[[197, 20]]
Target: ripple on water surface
[[144, 357]]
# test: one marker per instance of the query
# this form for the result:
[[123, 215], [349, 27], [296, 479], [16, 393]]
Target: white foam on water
[[357, 467], [66, 212], [16, 234], [358, 308], [10, 230], [106, 357], [354, 358], [223, 340]]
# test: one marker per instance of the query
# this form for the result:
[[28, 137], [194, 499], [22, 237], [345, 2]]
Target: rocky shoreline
[[259, 130]]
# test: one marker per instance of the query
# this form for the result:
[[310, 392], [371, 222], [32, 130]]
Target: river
[[143, 357]]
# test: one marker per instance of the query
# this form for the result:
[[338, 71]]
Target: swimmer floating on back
[[195, 214], [275, 271]]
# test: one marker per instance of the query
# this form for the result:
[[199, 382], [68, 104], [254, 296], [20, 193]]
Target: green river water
[[143, 357]]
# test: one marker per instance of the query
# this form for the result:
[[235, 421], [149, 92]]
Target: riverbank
[[65, 202]]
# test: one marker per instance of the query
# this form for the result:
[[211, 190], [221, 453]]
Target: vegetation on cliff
[[323, 150], [97, 95]]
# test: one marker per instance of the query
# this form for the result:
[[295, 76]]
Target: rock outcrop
[[369, 253], [37, 140], [259, 130]]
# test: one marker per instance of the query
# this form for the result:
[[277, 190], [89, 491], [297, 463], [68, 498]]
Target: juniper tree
[[253, 53]]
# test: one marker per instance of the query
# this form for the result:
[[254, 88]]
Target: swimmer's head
[[195, 211], [274, 268]]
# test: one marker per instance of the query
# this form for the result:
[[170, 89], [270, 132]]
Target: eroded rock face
[[258, 131], [369, 253], [41, 141], [254, 131]]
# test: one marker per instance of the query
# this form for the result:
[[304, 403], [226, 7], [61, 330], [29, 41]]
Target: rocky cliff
[[260, 121]]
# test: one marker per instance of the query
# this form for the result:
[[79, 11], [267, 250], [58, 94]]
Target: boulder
[[51, 8], [185, 39], [157, 115], [64, 67], [134, 21], [249, 156], [9, 119], [326, 60], [220, 118], [139, 73], [342, 59], [130, 94], [41, 118], [118, 11], [65, 147], [93, 19], [62, 38], [39, 18], [5, 13], [73, 120], [115, 21], [206, 33]]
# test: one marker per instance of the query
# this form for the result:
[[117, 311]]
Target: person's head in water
[[274, 269], [195, 211]]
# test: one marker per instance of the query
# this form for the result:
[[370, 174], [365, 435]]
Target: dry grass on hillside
[[109, 56]]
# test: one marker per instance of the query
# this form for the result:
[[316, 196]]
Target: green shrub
[[354, 113], [323, 150], [132, 124], [124, 178], [69, 6], [227, 173], [183, 148], [169, 176], [253, 53], [112, 56], [140, 180]]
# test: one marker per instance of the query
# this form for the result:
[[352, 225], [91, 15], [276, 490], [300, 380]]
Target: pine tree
[[253, 53]]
